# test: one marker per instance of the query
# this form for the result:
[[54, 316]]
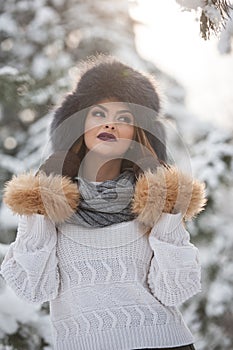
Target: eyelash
[[102, 114]]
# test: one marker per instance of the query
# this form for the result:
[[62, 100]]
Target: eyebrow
[[118, 112]]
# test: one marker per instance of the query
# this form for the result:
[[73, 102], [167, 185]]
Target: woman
[[101, 230]]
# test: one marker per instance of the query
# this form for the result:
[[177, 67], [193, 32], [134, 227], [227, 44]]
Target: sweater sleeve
[[175, 273], [30, 266]]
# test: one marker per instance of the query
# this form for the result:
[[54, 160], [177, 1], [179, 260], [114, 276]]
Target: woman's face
[[109, 128]]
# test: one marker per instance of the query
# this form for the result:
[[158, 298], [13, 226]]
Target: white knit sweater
[[112, 288]]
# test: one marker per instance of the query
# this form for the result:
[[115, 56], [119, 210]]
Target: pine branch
[[207, 24]]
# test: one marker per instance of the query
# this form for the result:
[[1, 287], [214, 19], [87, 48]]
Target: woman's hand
[[50, 192], [167, 190]]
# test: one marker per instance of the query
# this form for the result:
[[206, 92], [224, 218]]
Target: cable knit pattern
[[109, 288], [175, 271], [30, 266]]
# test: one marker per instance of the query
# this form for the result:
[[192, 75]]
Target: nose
[[109, 126]]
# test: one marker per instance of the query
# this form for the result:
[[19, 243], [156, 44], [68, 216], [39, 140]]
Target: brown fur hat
[[105, 77]]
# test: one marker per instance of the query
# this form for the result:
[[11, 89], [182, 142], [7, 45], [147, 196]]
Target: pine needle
[[207, 26]]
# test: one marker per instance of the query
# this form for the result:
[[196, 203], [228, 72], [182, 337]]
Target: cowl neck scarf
[[104, 203]]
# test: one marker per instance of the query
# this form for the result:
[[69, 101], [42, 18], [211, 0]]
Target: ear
[[55, 196], [167, 190]]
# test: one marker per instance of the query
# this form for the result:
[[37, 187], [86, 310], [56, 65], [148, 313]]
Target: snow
[[14, 311], [58, 2], [216, 295], [7, 24], [12, 164], [191, 4], [7, 219], [7, 70], [213, 14], [225, 41], [6, 347], [17, 311], [206, 76], [45, 15], [63, 61], [40, 66], [3, 250]]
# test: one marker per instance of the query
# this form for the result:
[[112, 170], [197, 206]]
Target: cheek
[[128, 133], [89, 137], [88, 133], [90, 127]]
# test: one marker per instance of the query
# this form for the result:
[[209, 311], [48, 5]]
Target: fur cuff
[[169, 191], [55, 196]]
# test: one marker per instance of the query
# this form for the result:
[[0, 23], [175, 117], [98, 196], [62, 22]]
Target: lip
[[105, 136]]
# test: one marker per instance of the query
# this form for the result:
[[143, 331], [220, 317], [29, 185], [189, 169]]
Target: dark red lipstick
[[105, 136]]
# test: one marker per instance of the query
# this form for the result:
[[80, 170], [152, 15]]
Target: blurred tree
[[210, 313]]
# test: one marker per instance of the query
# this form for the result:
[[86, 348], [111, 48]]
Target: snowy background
[[171, 39], [42, 42]]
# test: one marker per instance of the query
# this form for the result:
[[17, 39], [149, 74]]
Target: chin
[[108, 149], [107, 153]]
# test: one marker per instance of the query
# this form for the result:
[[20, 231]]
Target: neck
[[94, 168]]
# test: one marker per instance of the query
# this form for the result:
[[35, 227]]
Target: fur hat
[[106, 77]]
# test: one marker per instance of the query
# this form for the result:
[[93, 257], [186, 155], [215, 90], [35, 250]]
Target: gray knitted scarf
[[105, 203]]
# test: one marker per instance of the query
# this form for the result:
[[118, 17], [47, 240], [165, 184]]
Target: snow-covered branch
[[216, 17]]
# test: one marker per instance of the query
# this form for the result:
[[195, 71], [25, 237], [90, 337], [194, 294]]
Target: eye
[[98, 113], [126, 118]]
